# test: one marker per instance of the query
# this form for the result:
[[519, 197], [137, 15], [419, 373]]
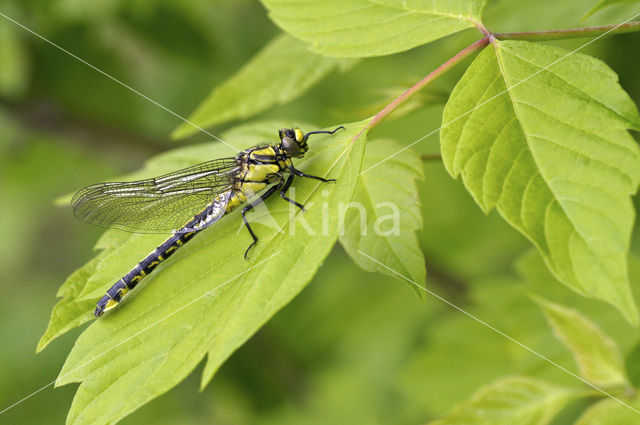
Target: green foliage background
[[353, 347]]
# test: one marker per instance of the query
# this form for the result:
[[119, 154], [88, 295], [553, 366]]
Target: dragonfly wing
[[211, 214], [156, 205]]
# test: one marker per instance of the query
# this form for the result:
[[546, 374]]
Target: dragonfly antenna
[[323, 131]]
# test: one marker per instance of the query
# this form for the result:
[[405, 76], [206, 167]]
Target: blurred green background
[[353, 347]]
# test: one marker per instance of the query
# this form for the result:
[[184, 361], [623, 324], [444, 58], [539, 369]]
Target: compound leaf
[[88, 283], [207, 298], [553, 154]]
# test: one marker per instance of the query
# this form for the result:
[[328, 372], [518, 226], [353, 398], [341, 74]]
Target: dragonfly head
[[294, 140]]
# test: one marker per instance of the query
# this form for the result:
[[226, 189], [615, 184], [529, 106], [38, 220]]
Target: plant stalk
[[430, 157], [571, 33], [478, 45], [604, 30]]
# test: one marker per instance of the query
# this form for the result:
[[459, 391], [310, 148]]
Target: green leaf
[[118, 262], [602, 4], [553, 154], [14, 64], [632, 364], [385, 214], [113, 261], [70, 312], [512, 400], [361, 28], [207, 299], [611, 412], [113, 238], [597, 355], [283, 70]]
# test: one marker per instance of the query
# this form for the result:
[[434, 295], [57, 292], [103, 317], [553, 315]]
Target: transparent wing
[[156, 205]]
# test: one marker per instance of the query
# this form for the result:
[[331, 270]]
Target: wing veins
[[159, 204]]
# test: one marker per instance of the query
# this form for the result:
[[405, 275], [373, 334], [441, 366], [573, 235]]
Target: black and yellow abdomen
[[212, 213], [142, 269]]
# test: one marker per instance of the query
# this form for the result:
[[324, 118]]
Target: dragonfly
[[187, 201]]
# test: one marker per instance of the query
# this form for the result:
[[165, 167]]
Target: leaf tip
[[180, 132], [597, 7], [42, 344], [589, 14]]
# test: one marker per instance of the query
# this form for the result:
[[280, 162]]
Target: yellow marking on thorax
[[260, 172], [266, 151], [286, 164], [255, 177], [251, 188]]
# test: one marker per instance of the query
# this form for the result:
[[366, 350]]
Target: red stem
[[571, 33], [478, 45], [482, 43]]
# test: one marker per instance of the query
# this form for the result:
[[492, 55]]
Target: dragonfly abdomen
[[114, 295], [143, 268]]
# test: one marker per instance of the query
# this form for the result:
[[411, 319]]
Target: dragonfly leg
[[309, 176], [284, 189], [273, 189]]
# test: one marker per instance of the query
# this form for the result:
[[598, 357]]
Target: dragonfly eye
[[290, 146], [286, 132]]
